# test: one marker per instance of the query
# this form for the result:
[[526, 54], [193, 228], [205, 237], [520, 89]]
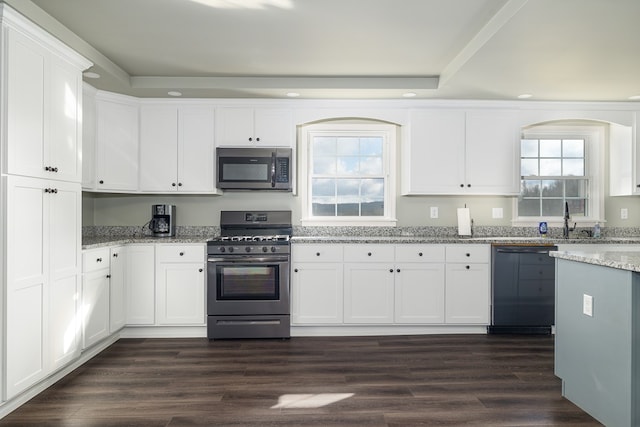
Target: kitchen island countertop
[[623, 260]]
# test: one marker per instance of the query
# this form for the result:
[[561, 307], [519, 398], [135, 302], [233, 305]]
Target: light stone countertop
[[104, 241], [623, 260]]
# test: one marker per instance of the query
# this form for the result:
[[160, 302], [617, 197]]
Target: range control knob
[[230, 249], [247, 249], [264, 249], [273, 248], [222, 249]]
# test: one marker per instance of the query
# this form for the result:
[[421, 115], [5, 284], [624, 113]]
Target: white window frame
[[388, 132], [594, 135]]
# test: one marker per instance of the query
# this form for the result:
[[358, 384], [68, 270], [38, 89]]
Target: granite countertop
[[623, 260], [499, 240], [103, 241]]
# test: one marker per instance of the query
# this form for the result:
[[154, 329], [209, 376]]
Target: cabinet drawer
[[468, 253], [95, 259], [317, 253], [369, 253], [419, 253], [180, 253]]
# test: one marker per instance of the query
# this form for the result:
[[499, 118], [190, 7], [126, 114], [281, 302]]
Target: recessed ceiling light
[[91, 75], [409, 94], [293, 94], [174, 93], [634, 97], [525, 96]]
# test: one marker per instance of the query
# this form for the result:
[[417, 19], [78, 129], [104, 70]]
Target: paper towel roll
[[464, 222]]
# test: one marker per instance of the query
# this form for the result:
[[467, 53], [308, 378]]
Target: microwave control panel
[[282, 169]]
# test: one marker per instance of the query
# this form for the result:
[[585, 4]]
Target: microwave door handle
[[273, 169]]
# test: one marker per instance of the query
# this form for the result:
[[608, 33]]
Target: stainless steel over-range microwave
[[254, 168]]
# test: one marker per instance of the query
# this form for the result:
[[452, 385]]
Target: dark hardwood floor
[[439, 380]]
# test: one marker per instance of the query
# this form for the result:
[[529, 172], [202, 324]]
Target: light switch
[[497, 213], [624, 213], [434, 212], [587, 305]]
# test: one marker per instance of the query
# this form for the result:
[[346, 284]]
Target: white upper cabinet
[[624, 159], [268, 127], [177, 148], [116, 143], [43, 82], [461, 152]]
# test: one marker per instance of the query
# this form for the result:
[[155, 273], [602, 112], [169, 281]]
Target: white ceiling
[[582, 50]]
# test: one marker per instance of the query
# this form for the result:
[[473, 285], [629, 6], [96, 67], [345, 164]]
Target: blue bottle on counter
[[543, 229], [596, 231]]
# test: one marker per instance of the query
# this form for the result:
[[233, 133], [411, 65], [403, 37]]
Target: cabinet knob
[[99, 260], [54, 190], [101, 182], [108, 276], [47, 168], [391, 270], [54, 169], [200, 270], [317, 253], [398, 271], [467, 267], [461, 185], [295, 270], [369, 254], [115, 255], [179, 184], [181, 253], [419, 253], [468, 185], [250, 139], [173, 184], [468, 254], [257, 139]]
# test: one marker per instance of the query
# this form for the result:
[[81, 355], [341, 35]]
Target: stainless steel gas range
[[248, 276]]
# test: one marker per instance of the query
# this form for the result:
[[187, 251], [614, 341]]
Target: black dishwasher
[[523, 289]]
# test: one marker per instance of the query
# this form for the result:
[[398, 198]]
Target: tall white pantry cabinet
[[40, 208]]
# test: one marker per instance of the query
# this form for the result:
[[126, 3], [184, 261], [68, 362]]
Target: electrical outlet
[[587, 305], [624, 213], [497, 213], [434, 212]]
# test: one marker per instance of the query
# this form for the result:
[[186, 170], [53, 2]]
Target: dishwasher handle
[[526, 250]]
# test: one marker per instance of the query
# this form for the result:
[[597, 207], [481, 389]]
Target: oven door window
[[247, 282]]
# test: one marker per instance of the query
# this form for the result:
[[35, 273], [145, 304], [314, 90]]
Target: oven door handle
[[244, 259]]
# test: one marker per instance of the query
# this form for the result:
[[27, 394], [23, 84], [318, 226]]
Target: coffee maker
[[163, 220]]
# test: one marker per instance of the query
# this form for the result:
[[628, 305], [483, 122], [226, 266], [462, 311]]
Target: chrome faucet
[[566, 229]]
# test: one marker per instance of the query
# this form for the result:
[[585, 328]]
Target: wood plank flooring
[[433, 380]]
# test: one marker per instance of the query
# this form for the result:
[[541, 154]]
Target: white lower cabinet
[[41, 275], [140, 299], [383, 284], [117, 312], [180, 284], [468, 284], [317, 284], [94, 308]]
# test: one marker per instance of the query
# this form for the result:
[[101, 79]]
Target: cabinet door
[[180, 293], [434, 154], [140, 285], [117, 313], [117, 145], [63, 148], [419, 293], [317, 293], [88, 138], [467, 293], [95, 307], [274, 127], [65, 259], [158, 148], [27, 282], [234, 127], [27, 66], [492, 153], [368, 293], [196, 149]]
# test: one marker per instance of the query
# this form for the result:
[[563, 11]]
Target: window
[[349, 174], [553, 172], [561, 164]]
